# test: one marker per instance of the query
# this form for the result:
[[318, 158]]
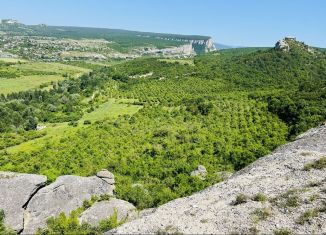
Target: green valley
[[152, 121]]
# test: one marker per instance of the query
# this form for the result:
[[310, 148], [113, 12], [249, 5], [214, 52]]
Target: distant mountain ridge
[[125, 39]]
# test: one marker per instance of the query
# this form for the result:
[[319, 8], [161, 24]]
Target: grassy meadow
[[18, 75]]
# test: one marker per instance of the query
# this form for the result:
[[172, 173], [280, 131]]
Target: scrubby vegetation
[[240, 199], [307, 216], [318, 165], [260, 197], [222, 111], [261, 214], [282, 231], [3, 229], [63, 224]]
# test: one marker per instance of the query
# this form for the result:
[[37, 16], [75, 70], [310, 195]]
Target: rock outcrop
[[67, 193], [15, 192], [283, 192], [105, 209], [282, 45], [28, 203]]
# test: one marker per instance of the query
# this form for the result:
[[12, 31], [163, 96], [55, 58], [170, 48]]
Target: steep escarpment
[[283, 192]]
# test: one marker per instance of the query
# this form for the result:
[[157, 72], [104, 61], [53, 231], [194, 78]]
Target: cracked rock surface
[[15, 191], [27, 201], [67, 193]]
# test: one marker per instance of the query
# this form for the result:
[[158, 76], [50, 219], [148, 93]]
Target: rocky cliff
[[198, 45], [282, 193]]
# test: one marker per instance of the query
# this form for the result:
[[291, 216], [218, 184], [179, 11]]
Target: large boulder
[[105, 209], [67, 193], [15, 192]]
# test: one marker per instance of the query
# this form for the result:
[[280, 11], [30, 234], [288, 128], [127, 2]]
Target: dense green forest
[[221, 110]]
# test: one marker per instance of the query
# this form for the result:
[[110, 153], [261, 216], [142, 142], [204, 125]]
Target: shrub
[[110, 223], [73, 123], [87, 122], [70, 225]]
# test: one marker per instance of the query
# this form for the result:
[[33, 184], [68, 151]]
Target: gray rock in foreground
[[105, 209], [279, 176], [67, 193], [15, 191]]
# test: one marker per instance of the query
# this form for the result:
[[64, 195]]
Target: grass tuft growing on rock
[[318, 164], [260, 197], [170, 229], [307, 216], [282, 231], [314, 184], [262, 213], [240, 199], [3, 229], [292, 201]]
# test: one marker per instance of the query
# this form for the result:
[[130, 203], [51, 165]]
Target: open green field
[[109, 110], [52, 67], [112, 109], [39, 74], [26, 83], [13, 60]]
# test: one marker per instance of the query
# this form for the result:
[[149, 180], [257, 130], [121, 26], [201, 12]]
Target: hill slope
[[44, 42], [153, 121], [284, 191]]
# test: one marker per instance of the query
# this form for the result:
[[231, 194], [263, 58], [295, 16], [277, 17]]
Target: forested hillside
[[220, 110]]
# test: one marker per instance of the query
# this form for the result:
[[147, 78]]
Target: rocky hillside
[[282, 193]]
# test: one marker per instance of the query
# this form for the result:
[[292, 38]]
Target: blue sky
[[233, 22]]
